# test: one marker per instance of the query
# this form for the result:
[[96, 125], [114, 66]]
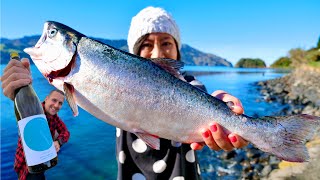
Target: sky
[[231, 29]]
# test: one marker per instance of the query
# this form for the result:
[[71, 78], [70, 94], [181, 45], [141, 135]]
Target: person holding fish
[[154, 34]]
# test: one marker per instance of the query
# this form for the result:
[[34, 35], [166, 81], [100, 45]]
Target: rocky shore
[[299, 92]]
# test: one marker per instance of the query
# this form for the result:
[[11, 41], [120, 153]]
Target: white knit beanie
[[151, 20]]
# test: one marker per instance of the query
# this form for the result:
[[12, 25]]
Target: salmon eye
[[52, 33]]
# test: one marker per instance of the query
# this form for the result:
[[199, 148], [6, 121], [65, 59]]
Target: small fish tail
[[294, 130]]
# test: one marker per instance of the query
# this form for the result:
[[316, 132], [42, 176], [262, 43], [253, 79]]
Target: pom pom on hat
[[151, 20]]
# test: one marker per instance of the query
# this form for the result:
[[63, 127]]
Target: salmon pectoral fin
[[150, 140], [69, 93]]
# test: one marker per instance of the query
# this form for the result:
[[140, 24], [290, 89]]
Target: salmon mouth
[[62, 72]]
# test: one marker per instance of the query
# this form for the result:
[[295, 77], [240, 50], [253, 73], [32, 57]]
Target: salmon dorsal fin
[[170, 65]]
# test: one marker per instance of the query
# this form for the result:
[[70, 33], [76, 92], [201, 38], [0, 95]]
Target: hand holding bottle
[[15, 75]]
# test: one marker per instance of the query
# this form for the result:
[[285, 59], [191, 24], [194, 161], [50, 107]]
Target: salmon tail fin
[[293, 132]]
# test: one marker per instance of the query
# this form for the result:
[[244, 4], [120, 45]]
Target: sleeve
[[63, 132], [20, 165]]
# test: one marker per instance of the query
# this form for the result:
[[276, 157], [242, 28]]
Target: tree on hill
[[318, 44], [283, 62], [250, 63], [298, 57]]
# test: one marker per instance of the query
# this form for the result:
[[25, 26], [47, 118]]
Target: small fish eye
[[52, 32]]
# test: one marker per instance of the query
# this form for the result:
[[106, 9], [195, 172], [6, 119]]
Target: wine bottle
[[39, 150]]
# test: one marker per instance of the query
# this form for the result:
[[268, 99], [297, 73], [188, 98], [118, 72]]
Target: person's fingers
[[209, 141], [13, 82], [26, 63], [218, 94], [236, 108], [57, 146], [9, 89], [12, 62], [226, 97], [237, 141], [13, 67], [9, 77], [233, 102], [220, 137], [197, 146], [234, 141]]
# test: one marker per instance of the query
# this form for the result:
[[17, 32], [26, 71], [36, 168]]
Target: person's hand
[[57, 146], [216, 137], [15, 75]]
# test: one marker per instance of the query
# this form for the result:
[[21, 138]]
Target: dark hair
[[58, 91], [179, 55], [144, 37]]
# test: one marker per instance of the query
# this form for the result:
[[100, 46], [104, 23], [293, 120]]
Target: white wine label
[[36, 139]]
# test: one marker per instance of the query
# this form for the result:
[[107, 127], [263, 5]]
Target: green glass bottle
[[37, 143]]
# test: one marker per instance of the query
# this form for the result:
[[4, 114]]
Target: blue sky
[[231, 29]]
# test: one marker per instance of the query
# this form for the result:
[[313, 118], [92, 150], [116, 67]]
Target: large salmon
[[147, 96]]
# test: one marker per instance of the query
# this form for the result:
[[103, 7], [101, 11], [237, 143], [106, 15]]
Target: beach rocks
[[299, 90], [245, 163]]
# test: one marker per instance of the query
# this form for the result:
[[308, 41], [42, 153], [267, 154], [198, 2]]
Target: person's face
[[53, 103], [159, 45]]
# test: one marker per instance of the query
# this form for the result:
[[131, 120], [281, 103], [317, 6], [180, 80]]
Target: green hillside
[[298, 56]]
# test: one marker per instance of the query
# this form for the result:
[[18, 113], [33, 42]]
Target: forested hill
[[190, 56]]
